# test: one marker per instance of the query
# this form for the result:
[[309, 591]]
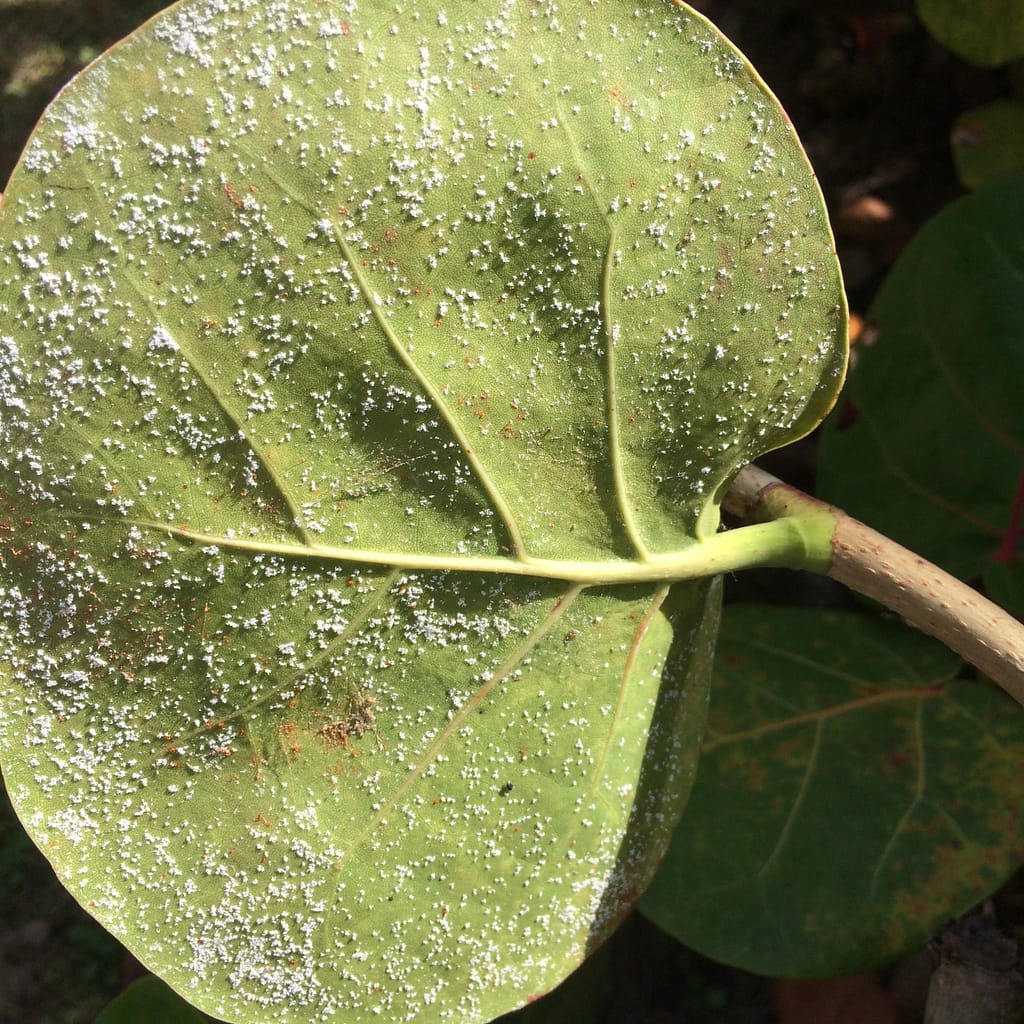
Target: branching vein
[[459, 719], [491, 489], [214, 392], [612, 405]]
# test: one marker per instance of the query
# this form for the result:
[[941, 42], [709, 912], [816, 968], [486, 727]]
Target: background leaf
[[988, 143], [150, 999], [989, 33], [347, 362], [929, 448], [853, 795]]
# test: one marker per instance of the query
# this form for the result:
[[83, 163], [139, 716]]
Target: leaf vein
[[497, 499], [318, 659], [133, 282], [612, 404], [458, 719]]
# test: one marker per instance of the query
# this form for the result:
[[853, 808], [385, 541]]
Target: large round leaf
[[930, 447], [853, 796], [368, 379]]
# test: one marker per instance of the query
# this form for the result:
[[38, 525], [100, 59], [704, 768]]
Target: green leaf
[[929, 448], [369, 382], [150, 1000], [1004, 582], [989, 32], [988, 143], [853, 795]]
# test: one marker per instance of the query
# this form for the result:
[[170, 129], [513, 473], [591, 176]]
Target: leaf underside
[[342, 354]]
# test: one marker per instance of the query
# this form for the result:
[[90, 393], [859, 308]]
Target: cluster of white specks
[[74, 824], [292, 298], [76, 135], [193, 29]]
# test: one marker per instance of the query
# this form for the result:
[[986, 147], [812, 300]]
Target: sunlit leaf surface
[[365, 377]]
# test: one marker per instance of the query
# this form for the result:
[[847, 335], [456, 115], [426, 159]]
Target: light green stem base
[[924, 595]]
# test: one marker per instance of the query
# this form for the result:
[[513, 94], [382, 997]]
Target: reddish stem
[[1007, 552]]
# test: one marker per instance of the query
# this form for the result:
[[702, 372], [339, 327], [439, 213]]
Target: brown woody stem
[[921, 593]]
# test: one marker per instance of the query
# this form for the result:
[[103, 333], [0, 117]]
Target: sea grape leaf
[[369, 381], [40, 52], [1004, 583], [929, 446], [988, 143], [853, 795], [988, 33]]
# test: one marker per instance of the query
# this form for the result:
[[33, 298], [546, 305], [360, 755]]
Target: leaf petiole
[[871, 564]]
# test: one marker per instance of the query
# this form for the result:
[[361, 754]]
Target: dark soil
[[873, 98]]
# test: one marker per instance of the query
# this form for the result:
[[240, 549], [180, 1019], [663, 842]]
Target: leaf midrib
[[775, 543]]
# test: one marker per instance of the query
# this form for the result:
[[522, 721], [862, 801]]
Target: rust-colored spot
[[357, 717]]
